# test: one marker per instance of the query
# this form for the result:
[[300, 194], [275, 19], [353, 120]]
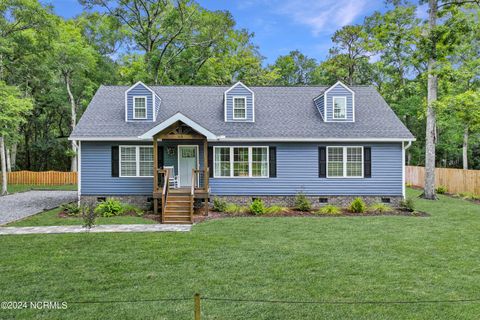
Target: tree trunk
[[73, 121], [9, 165], [465, 148], [429, 190], [13, 156], [4, 167]]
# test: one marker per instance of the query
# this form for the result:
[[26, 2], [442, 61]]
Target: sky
[[281, 26]]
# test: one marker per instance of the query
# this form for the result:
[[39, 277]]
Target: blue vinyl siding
[[96, 172], [320, 104], [339, 91], [96, 178], [297, 170], [239, 91], [139, 90]]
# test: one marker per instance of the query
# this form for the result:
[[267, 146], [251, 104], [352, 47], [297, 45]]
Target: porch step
[[178, 208]]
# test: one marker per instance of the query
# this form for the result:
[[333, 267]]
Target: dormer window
[[239, 108], [339, 107], [139, 107]]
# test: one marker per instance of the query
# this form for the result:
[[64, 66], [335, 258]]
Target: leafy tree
[[294, 68], [14, 108], [349, 57]]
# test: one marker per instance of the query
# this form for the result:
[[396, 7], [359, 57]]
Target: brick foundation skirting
[[289, 201], [138, 201], [285, 201]]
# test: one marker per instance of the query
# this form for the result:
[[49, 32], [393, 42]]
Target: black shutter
[[160, 159], [322, 162], [115, 170], [210, 161], [272, 154], [367, 162]]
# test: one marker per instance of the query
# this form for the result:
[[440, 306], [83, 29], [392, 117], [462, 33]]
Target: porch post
[[205, 173], [155, 174]]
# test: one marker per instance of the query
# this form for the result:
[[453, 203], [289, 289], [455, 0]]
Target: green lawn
[[51, 218], [13, 188], [337, 258]]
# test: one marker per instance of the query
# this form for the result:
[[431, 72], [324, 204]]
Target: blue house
[[175, 147]]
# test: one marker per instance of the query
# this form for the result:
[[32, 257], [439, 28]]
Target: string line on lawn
[[344, 302], [281, 301], [128, 301]]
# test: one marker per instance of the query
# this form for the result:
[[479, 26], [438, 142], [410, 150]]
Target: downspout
[[403, 165]]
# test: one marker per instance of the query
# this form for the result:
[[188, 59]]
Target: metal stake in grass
[[196, 300]]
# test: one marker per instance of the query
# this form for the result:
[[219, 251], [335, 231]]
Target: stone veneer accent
[[138, 201], [288, 201]]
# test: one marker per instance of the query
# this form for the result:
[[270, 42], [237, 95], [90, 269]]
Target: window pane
[[146, 161], [354, 161], [240, 162], [259, 162], [140, 107], [222, 162], [335, 162], [128, 161], [339, 108], [239, 108], [129, 169]]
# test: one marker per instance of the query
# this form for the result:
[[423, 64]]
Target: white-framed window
[[239, 107], [345, 162], [139, 107], [339, 107], [241, 162], [136, 161]]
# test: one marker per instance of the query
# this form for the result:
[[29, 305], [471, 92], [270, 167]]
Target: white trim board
[[249, 139]]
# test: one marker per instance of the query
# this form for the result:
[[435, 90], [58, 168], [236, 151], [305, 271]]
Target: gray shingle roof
[[280, 112]]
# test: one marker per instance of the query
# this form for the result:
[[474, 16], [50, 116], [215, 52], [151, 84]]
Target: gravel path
[[97, 229], [23, 204]]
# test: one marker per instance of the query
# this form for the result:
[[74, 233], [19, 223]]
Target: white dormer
[[239, 104], [141, 103], [337, 104]]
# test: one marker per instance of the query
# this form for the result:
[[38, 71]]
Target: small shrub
[[441, 190], [71, 209], [219, 205], [109, 208], [89, 217], [407, 205], [329, 209], [302, 203], [468, 196], [275, 210], [409, 184], [257, 207], [232, 208], [380, 208], [358, 206], [132, 210]]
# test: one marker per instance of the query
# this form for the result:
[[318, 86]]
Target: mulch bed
[[212, 215]]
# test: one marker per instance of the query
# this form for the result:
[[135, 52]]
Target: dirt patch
[[212, 215]]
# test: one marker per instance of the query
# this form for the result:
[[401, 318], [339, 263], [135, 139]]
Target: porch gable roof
[[173, 119]]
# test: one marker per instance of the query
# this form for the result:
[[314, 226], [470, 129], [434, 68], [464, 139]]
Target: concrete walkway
[[98, 229], [20, 205]]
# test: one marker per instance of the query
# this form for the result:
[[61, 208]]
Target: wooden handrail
[[165, 190], [192, 194]]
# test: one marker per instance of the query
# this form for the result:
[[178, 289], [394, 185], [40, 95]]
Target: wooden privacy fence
[[43, 177], [456, 180]]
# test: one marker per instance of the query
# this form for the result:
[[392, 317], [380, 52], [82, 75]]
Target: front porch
[[181, 172]]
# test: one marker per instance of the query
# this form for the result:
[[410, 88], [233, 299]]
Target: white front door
[[187, 160]]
